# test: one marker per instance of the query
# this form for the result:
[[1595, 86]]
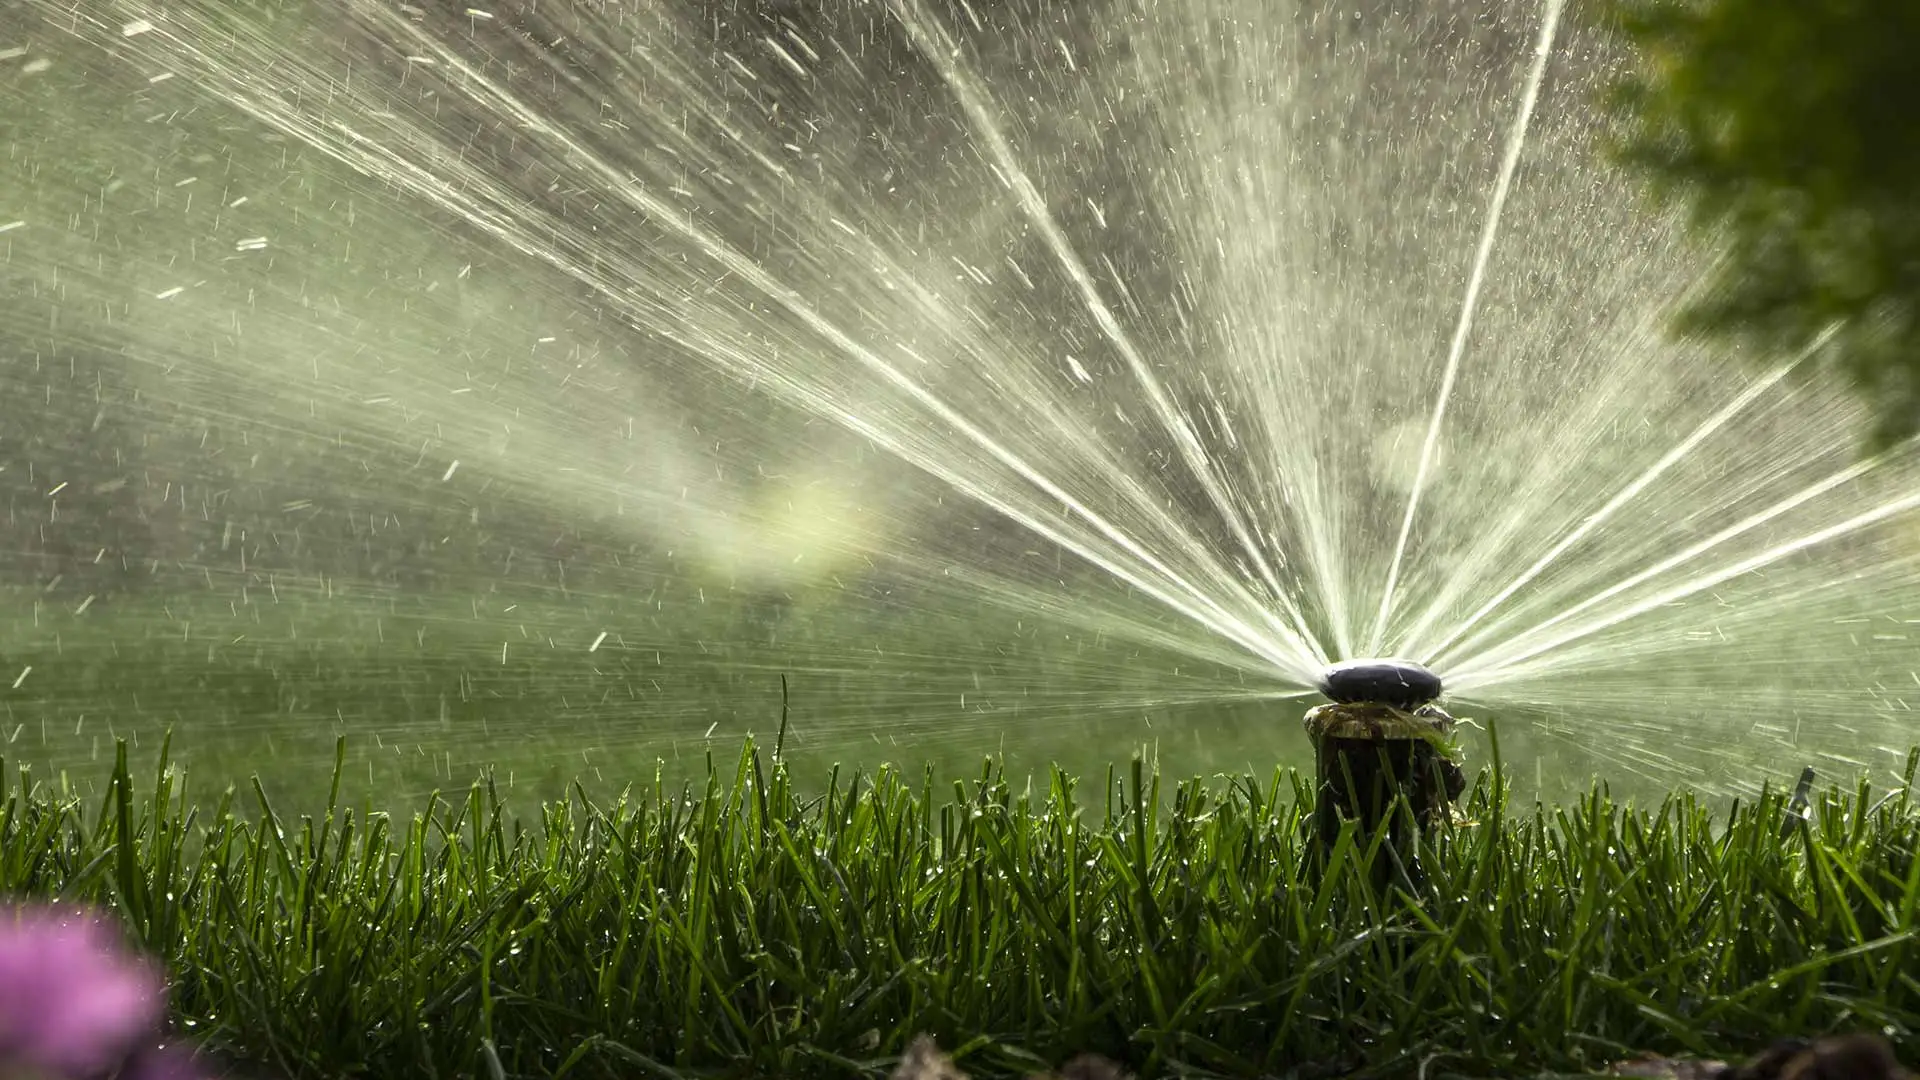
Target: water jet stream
[[1016, 381], [1625, 495], [939, 47], [1807, 494], [1291, 652], [1502, 666], [1456, 350]]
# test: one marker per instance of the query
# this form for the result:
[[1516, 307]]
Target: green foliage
[[1792, 130], [744, 929]]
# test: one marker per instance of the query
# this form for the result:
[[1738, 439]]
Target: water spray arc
[[1599, 517], [1113, 350], [939, 47], [1463, 328], [501, 212]]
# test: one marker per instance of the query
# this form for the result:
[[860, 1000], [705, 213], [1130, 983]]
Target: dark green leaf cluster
[[746, 929], [1791, 128]]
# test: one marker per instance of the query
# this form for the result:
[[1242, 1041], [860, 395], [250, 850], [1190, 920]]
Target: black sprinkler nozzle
[[1402, 684]]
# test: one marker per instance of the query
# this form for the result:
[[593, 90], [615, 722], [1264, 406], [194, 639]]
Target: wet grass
[[742, 928]]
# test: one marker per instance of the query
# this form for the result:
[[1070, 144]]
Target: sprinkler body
[[1382, 755]]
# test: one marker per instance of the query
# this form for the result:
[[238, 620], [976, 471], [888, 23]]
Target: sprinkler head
[[1402, 684]]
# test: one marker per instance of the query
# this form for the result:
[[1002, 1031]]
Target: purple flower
[[73, 1001]]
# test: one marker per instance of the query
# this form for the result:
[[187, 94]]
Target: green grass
[[741, 928]]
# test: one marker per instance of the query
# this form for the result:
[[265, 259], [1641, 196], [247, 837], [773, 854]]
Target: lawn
[[749, 925]]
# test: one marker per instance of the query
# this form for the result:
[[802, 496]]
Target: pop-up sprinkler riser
[[1382, 736]]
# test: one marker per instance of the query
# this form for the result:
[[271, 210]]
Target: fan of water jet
[[1082, 529], [1116, 320]]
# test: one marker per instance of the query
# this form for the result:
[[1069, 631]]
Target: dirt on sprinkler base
[[1842, 1057]]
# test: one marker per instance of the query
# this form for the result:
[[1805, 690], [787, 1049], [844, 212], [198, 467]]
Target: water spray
[[1383, 752]]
